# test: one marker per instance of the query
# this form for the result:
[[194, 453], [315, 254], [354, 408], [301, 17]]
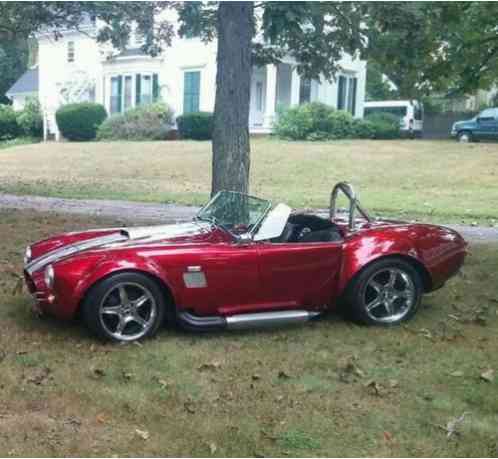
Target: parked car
[[241, 263], [410, 113], [484, 126]]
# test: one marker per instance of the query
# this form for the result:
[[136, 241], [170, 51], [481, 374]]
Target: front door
[[258, 83], [299, 274]]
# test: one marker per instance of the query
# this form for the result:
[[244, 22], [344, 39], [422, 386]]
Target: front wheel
[[464, 137], [387, 292], [124, 307]]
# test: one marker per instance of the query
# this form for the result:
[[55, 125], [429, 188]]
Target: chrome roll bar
[[354, 204]]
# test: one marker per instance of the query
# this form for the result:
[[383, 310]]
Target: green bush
[[9, 128], [146, 122], [30, 119], [80, 121], [196, 125], [385, 125]]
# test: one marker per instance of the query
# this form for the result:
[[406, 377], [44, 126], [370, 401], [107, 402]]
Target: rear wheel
[[387, 292], [124, 307]]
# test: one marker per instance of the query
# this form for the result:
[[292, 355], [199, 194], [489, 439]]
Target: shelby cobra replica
[[241, 263]]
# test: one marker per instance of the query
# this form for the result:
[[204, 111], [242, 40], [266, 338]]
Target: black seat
[[326, 235], [286, 235]]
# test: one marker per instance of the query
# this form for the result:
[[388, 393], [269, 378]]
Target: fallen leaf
[[212, 448], [98, 372], [164, 384], [283, 375], [127, 376], [375, 387], [255, 377], [143, 434], [210, 366], [388, 436], [101, 419], [488, 375], [457, 373], [452, 425], [393, 383], [189, 406]]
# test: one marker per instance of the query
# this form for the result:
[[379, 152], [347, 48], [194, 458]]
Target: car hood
[[470, 121], [68, 244]]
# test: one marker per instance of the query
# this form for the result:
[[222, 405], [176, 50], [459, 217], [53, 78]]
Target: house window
[[127, 96], [346, 94], [191, 91], [116, 94], [341, 93], [70, 51], [304, 91], [259, 96], [146, 91]]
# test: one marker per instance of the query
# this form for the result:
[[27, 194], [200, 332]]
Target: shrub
[[30, 119], [9, 128], [314, 121], [363, 129], [385, 125], [196, 125], [80, 121], [146, 122]]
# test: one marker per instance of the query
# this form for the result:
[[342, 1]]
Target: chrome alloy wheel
[[127, 311], [389, 295]]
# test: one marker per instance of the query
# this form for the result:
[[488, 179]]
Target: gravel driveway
[[164, 213]]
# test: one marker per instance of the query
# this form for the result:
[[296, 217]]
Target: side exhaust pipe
[[243, 321]]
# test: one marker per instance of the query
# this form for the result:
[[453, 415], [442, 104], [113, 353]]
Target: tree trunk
[[231, 150]]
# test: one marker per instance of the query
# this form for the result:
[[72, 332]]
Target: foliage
[[18, 141], [30, 119], [197, 126], [8, 123], [146, 122], [317, 121], [377, 88], [80, 121], [384, 125], [13, 63]]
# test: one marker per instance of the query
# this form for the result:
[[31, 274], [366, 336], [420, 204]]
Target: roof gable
[[27, 83]]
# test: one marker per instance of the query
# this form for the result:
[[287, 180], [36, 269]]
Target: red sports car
[[242, 263]]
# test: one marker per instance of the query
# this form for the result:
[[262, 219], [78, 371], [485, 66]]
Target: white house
[[76, 68]]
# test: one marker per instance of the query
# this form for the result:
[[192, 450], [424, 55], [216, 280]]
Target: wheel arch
[[417, 264], [160, 282]]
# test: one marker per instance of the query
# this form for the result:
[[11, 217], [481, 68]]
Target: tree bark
[[231, 149]]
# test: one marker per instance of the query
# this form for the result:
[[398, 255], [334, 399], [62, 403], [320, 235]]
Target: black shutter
[[155, 87], [355, 84], [138, 89], [120, 94]]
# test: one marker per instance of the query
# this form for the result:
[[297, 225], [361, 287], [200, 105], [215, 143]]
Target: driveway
[[164, 213]]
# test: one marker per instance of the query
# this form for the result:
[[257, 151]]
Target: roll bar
[[354, 204]]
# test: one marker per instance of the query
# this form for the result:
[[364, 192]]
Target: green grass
[[430, 180], [283, 392]]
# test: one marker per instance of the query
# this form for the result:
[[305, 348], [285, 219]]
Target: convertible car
[[242, 263]]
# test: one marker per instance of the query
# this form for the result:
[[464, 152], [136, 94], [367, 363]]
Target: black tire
[[462, 135], [361, 293], [104, 293]]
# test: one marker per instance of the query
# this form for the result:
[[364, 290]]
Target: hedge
[[9, 128], [196, 125], [80, 121]]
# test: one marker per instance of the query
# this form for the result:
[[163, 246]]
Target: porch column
[[271, 95], [295, 84]]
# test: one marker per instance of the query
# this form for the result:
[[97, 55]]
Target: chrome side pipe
[[244, 321]]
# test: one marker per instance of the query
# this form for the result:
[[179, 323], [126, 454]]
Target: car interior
[[302, 228]]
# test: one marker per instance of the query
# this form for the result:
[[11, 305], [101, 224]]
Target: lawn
[[328, 388], [433, 180]]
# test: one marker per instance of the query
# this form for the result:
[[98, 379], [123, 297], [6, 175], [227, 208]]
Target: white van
[[410, 112]]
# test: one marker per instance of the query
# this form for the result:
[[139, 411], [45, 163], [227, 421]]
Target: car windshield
[[236, 212]]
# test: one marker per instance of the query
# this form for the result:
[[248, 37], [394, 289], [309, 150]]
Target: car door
[[486, 124], [225, 278], [299, 274]]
